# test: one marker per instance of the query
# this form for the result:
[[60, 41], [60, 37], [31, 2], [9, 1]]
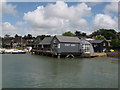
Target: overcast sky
[[52, 18]]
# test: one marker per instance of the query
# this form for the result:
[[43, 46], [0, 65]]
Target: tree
[[77, 33], [68, 34], [6, 36], [107, 33], [83, 34], [115, 43], [29, 36], [100, 37], [16, 35]]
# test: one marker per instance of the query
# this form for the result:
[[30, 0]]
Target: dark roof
[[46, 40], [68, 39], [96, 41]]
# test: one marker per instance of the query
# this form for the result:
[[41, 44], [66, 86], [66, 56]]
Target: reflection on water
[[33, 71]]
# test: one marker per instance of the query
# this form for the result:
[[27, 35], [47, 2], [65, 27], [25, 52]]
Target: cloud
[[111, 8], [59, 17], [20, 23], [8, 28], [8, 8], [105, 21]]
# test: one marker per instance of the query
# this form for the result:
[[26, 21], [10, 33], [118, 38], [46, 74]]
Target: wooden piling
[[58, 56]]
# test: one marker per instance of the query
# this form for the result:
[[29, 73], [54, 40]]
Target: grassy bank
[[114, 54]]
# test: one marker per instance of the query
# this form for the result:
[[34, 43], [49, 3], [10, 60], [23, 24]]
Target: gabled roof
[[68, 39], [96, 41], [46, 40]]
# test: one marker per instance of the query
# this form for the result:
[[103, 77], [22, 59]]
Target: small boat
[[15, 51], [1, 51]]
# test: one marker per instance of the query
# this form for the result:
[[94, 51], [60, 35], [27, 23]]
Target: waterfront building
[[65, 45], [36, 43], [45, 44], [86, 46], [100, 45]]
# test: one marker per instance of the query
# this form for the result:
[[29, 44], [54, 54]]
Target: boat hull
[[18, 52]]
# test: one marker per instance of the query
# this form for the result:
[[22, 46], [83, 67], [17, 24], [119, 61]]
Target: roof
[[68, 39], [46, 40], [96, 41], [84, 42]]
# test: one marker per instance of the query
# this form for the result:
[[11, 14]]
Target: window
[[86, 47], [58, 46], [54, 41]]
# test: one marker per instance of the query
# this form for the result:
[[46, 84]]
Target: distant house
[[36, 43], [45, 44], [64, 45], [17, 42], [86, 46], [99, 45], [7, 42]]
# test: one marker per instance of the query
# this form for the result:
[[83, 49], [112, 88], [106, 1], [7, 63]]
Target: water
[[33, 71]]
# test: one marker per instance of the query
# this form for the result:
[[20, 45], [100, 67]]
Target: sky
[[54, 18]]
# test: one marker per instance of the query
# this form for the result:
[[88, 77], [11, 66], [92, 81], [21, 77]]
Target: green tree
[[78, 33], [16, 35], [100, 37], [83, 34], [115, 43], [68, 34], [107, 33]]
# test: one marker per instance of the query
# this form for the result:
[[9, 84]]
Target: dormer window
[[54, 41]]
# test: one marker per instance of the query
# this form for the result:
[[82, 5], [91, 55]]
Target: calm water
[[33, 71]]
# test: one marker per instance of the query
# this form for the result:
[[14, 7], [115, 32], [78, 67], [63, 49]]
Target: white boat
[[1, 51], [14, 51]]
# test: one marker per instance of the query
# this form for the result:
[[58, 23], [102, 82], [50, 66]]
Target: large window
[[86, 47]]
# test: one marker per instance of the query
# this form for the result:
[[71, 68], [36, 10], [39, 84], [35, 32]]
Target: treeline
[[101, 34]]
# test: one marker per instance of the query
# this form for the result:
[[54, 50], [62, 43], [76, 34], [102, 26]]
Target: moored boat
[[15, 51]]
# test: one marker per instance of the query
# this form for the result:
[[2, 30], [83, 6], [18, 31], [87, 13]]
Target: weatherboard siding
[[65, 47]]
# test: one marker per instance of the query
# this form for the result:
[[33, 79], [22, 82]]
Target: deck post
[[58, 56]]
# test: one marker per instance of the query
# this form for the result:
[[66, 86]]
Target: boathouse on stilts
[[59, 46]]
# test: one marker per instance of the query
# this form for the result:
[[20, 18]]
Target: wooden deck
[[51, 53], [43, 52]]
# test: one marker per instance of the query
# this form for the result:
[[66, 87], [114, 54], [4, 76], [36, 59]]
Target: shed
[[45, 44], [99, 45], [65, 45]]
